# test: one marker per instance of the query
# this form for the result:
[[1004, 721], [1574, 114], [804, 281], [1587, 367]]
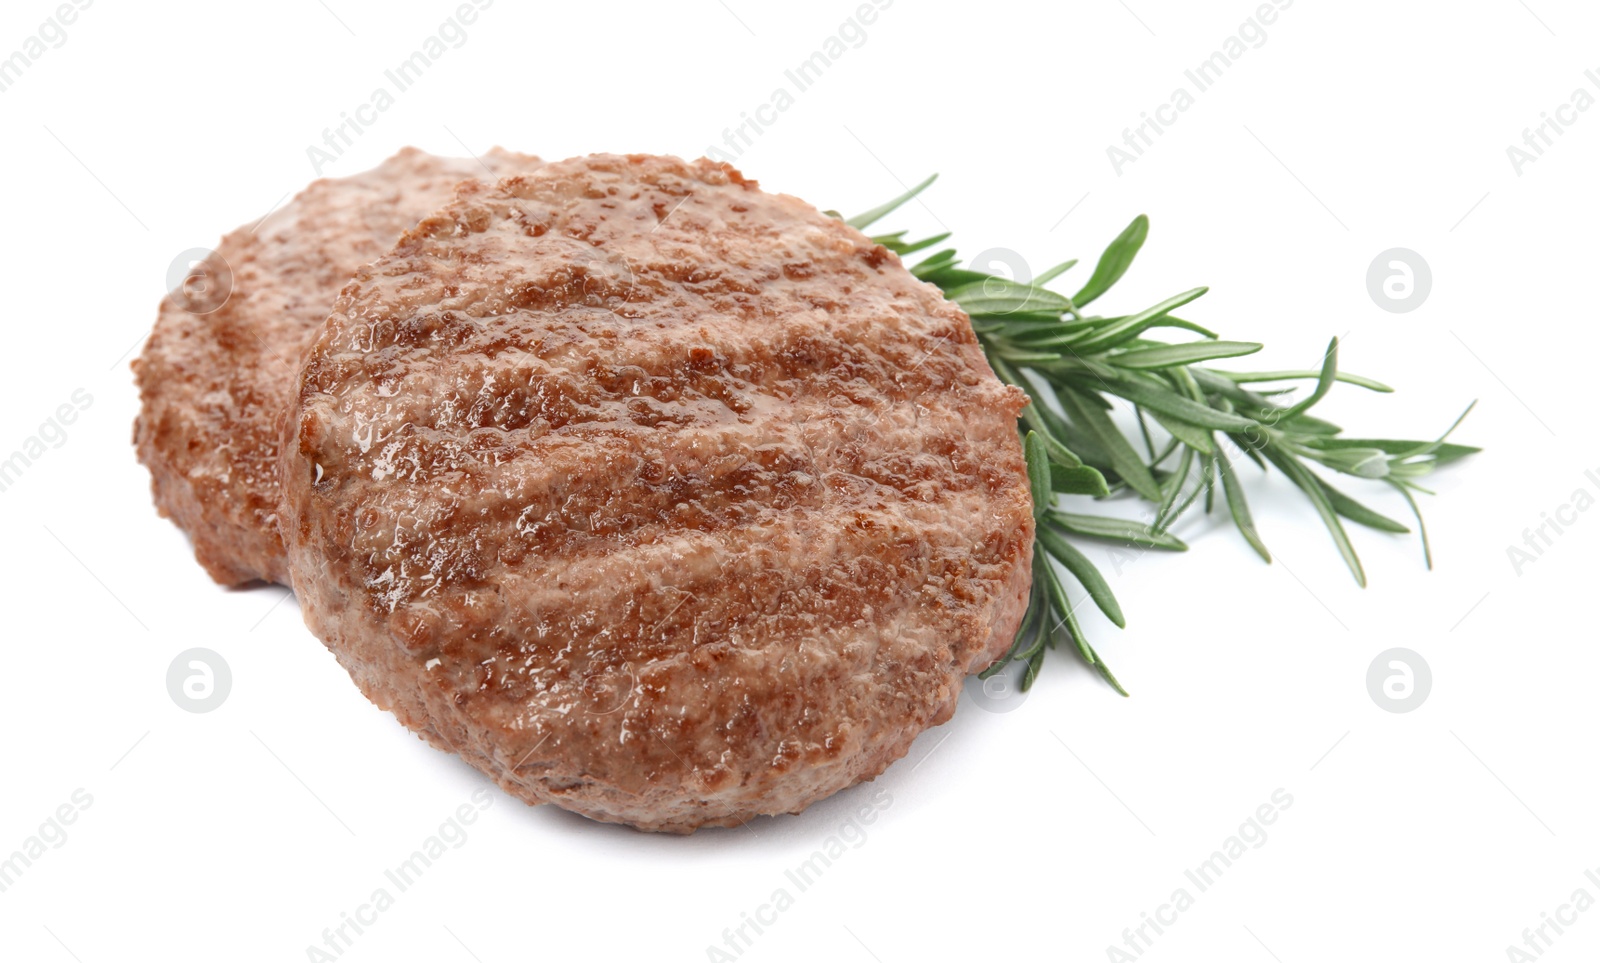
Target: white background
[[1356, 127]]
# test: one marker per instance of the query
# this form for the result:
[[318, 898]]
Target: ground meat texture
[[214, 380], [655, 496]]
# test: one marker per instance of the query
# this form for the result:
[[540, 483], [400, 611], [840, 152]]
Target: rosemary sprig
[[1075, 366]]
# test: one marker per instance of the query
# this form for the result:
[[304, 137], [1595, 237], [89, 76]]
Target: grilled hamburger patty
[[656, 497], [213, 384]]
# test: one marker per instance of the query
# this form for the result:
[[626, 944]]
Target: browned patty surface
[[214, 384], [655, 496]]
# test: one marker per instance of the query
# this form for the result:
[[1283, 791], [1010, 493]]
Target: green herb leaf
[[1124, 460], [1422, 528], [1253, 376], [1330, 370], [1169, 402], [1239, 508], [1082, 480], [1316, 492], [1116, 530], [1003, 296], [1055, 272], [1176, 355], [1038, 460], [1084, 571], [1359, 513], [871, 217], [1130, 327], [1114, 262]]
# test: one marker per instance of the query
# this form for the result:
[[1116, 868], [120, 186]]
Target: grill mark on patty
[[705, 624]]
